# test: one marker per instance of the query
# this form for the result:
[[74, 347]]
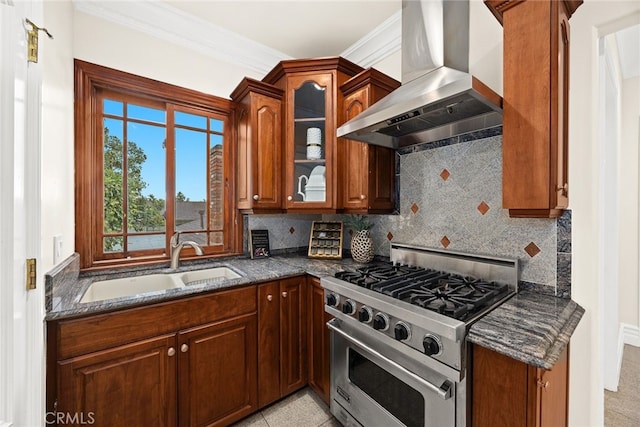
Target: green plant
[[358, 222]]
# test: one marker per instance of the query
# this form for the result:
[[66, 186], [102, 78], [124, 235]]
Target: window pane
[[112, 177], [216, 183], [146, 177], [112, 244], [199, 238], [191, 120], [111, 107], [216, 125], [216, 238], [145, 113], [139, 243], [191, 180]]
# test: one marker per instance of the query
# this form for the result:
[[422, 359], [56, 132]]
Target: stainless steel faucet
[[176, 246]]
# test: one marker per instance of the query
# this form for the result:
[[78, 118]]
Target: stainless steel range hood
[[438, 97]]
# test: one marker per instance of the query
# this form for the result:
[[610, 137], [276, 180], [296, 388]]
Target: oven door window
[[401, 400]]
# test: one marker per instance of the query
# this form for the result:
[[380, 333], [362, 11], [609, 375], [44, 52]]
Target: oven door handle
[[444, 391]]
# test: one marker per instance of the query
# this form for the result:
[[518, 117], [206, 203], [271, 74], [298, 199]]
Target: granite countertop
[[530, 327], [66, 286]]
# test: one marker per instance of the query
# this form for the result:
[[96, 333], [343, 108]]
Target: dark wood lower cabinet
[[217, 372], [129, 385], [207, 360], [190, 362], [319, 345], [508, 393], [282, 349]]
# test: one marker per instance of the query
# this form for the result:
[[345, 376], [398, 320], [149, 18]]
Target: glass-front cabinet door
[[311, 140]]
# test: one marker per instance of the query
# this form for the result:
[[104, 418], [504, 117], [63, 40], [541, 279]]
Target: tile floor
[[622, 408], [302, 409]]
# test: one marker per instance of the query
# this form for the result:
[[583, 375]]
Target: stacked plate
[[314, 142]]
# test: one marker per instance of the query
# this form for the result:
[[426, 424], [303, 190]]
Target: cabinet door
[[507, 392], [551, 388], [367, 172], [268, 152], [310, 142], [560, 109], [318, 340], [217, 372], [536, 110], [293, 323], [259, 146], [268, 343], [130, 385]]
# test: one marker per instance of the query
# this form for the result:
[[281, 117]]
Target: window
[[152, 159]]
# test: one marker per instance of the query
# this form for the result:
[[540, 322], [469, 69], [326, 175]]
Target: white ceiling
[[298, 28], [628, 41], [259, 33]]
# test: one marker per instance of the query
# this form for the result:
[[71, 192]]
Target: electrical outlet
[[57, 248]]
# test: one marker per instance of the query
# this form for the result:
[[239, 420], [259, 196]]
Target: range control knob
[[432, 345], [332, 300], [349, 307], [365, 314], [402, 331], [381, 322]]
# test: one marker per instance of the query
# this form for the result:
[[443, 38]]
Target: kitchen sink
[[140, 285], [130, 286], [209, 275]]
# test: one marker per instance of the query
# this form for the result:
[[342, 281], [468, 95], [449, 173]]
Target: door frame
[[22, 360]]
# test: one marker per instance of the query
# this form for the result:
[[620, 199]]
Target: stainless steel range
[[398, 349]]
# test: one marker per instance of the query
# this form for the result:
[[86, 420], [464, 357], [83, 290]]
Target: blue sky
[[191, 151]]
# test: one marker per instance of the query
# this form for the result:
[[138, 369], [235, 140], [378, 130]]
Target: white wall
[[57, 175], [586, 383], [629, 191], [104, 43]]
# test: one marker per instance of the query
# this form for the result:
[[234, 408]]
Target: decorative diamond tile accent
[[445, 242], [532, 249], [445, 174], [389, 236], [483, 208], [292, 230], [414, 208]]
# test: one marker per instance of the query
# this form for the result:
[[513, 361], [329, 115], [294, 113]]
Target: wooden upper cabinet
[[259, 146], [536, 105], [366, 173], [313, 109]]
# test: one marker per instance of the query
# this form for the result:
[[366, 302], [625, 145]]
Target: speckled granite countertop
[[65, 286], [529, 327]]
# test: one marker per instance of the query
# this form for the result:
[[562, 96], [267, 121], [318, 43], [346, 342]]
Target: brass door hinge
[[31, 273], [32, 40]]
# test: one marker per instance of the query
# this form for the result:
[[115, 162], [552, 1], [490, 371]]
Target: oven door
[[369, 388]]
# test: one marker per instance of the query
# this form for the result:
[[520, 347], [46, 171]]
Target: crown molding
[[168, 23], [382, 41], [173, 25]]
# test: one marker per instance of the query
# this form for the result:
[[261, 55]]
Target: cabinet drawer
[[93, 333]]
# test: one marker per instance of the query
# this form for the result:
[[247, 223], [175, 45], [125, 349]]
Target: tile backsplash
[[450, 196]]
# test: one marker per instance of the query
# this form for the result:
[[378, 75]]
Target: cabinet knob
[[184, 348], [290, 198], [284, 294], [543, 384], [171, 351], [256, 197], [269, 297], [564, 188], [362, 197]]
